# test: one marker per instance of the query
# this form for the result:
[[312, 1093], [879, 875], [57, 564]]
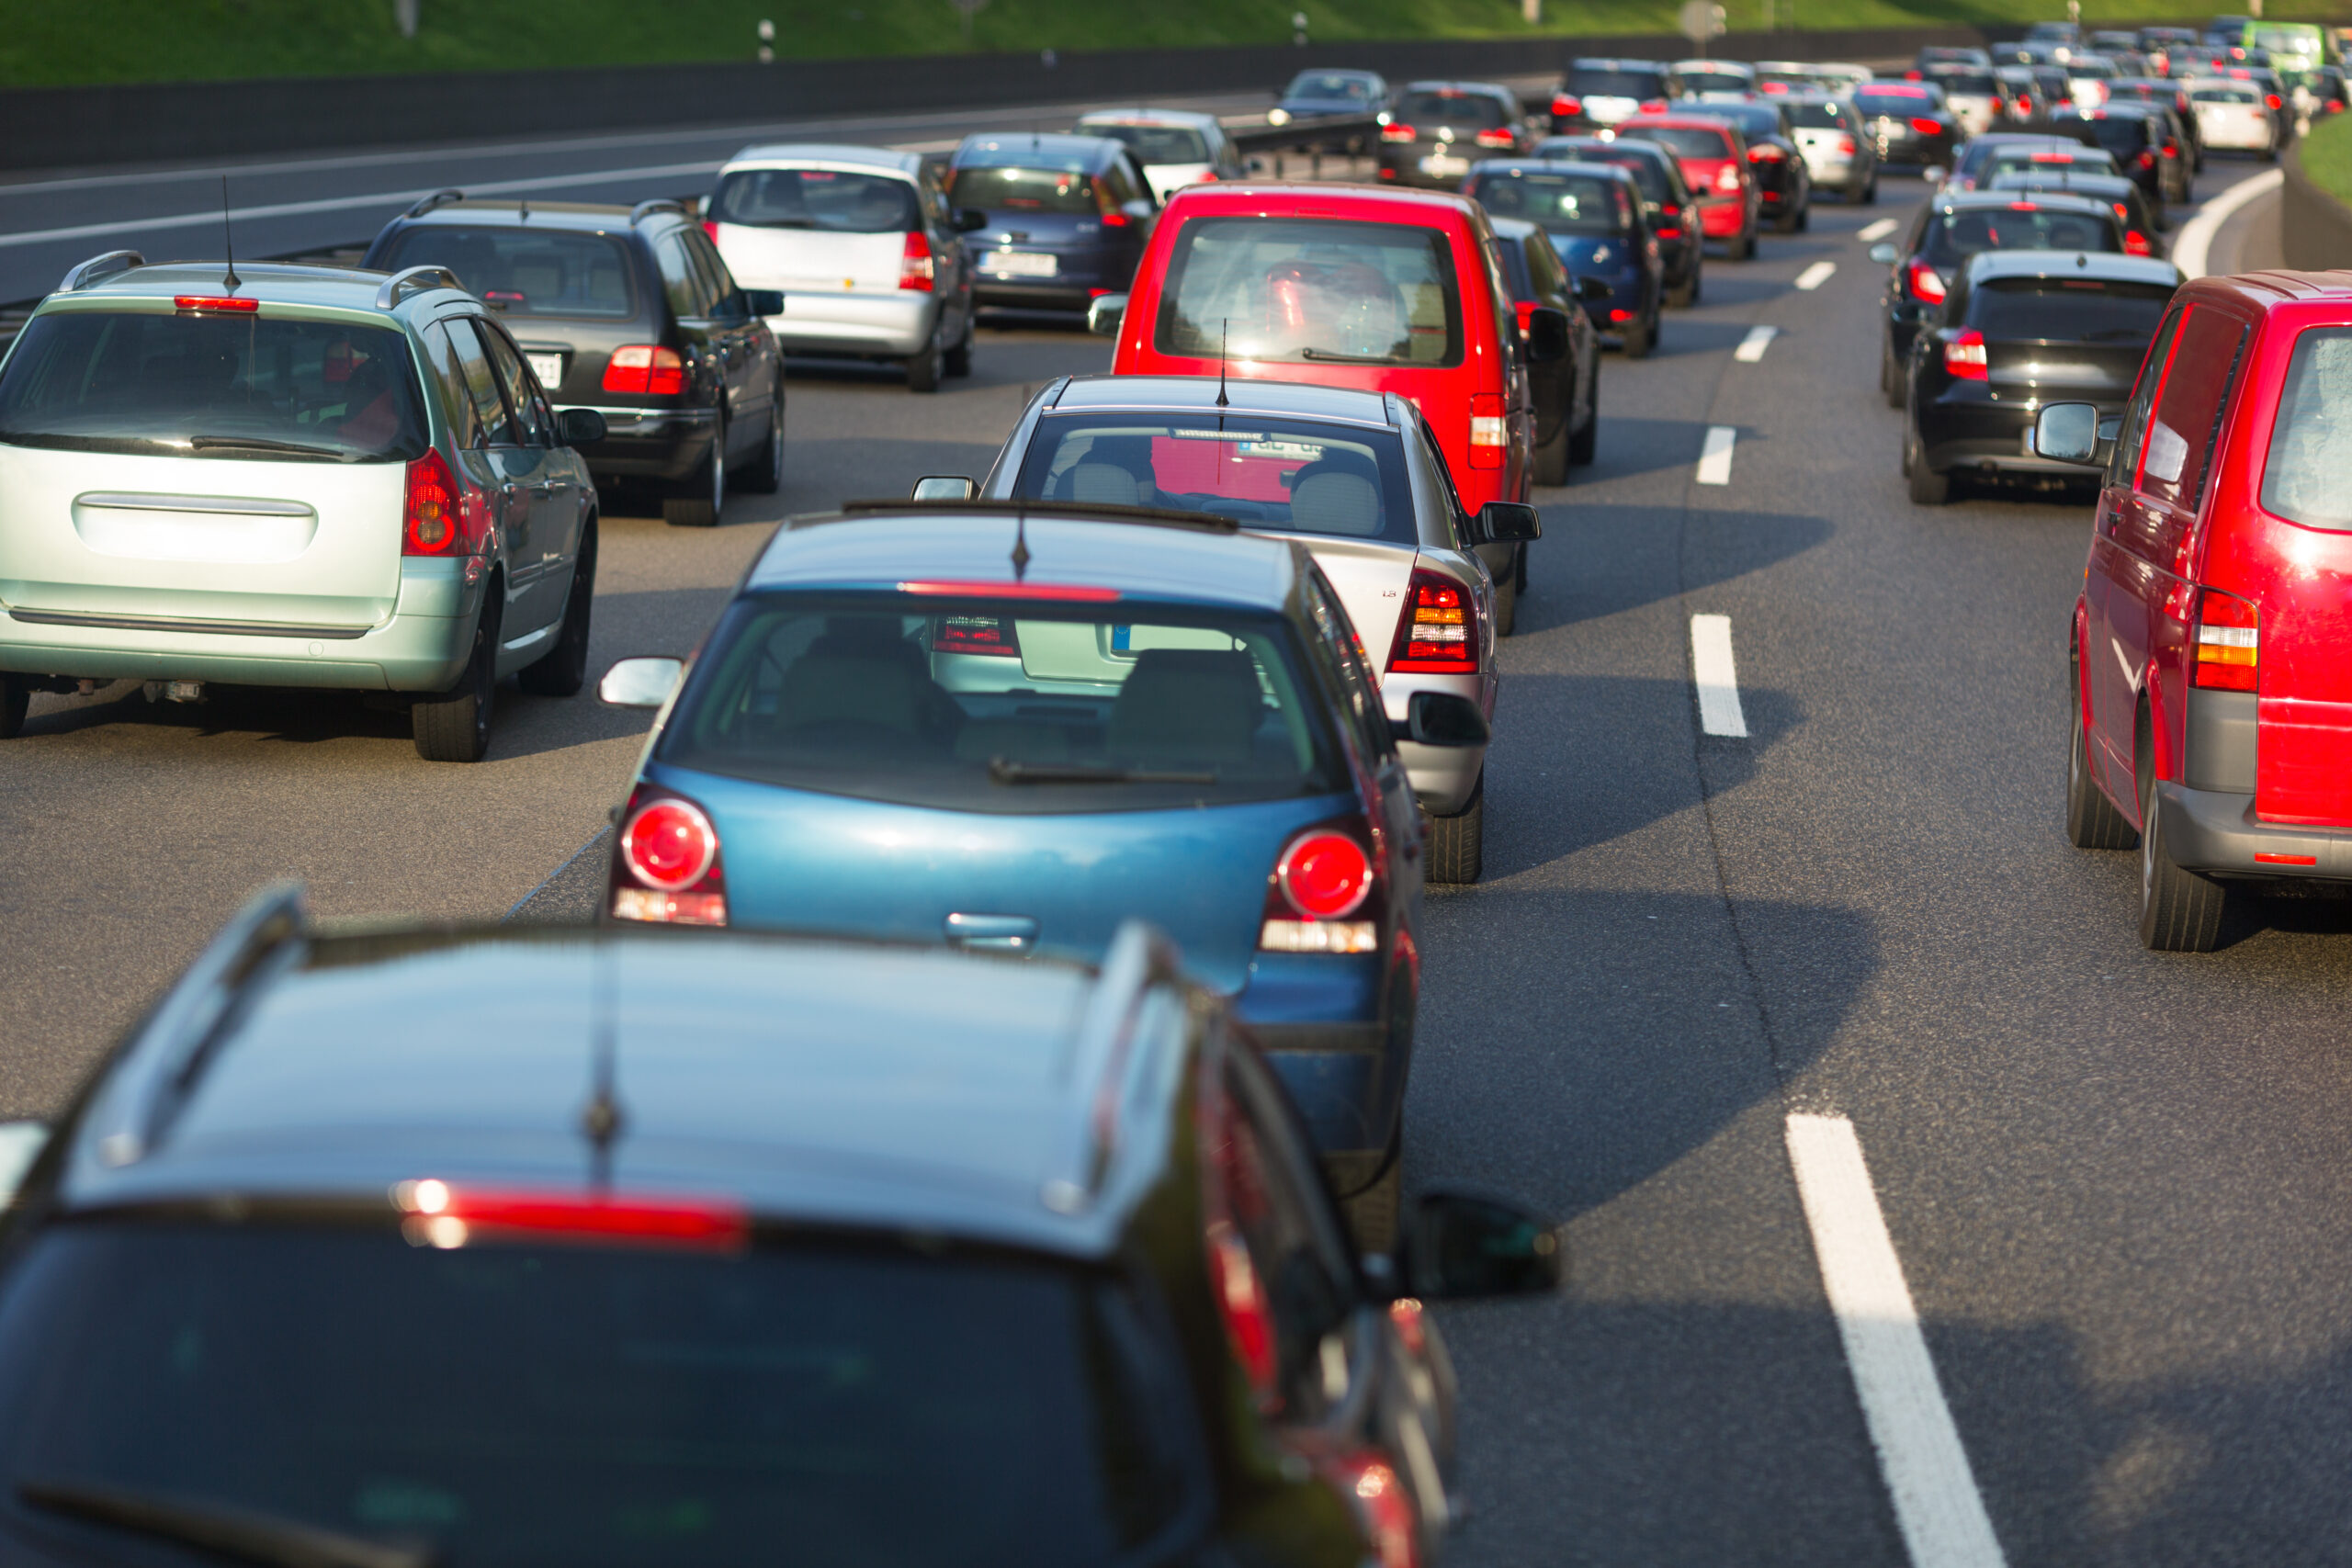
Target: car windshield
[[2311, 440], [1898, 102], [2286, 40], [1816, 114], [2068, 309], [1473, 111], [253, 385], [524, 271], [1285, 474], [1007, 706], [836, 200], [1311, 290], [573, 1404], [1310, 87], [1683, 140], [2025, 226], [1714, 81], [1010, 189], [1586, 82], [1563, 204], [1157, 144]]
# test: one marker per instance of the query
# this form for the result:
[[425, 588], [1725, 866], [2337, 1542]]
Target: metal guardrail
[[1323, 133]]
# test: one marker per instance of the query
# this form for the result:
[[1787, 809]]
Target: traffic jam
[[1144, 757]]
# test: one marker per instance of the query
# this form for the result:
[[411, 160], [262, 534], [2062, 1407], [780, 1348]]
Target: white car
[[1715, 79], [1176, 148], [1973, 97], [2232, 116], [1837, 154]]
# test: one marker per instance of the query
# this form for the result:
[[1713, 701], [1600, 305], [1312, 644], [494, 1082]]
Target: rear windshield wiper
[[1325, 353], [1004, 770], [262, 444], [232, 1532]]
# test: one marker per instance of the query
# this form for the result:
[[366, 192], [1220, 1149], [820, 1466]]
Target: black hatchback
[[2141, 139], [1435, 130], [631, 313]]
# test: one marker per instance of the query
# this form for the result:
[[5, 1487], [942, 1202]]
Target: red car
[[2212, 643], [1380, 291], [1715, 165]]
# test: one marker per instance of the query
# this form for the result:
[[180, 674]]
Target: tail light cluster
[[645, 369], [1384, 1510], [1438, 634], [441, 515], [236, 304], [1498, 136], [1566, 106], [917, 270], [1727, 177], [1234, 1284], [1765, 153], [2272, 99], [1846, 147], [1487, 437], [710, 227], [2135, 244], [1398, 133], [1965, 354], [665, 863], [1923, 282], [442, 1216], [1323, 878], [2229, 632], [1928, 126]]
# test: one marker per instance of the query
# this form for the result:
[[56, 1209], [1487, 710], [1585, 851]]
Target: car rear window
[[2224, 95], [524, 271], [247, 387], [1562, 204], [1307, 86], [1897, 101], [2027, 226], [1755, 120], [2086, 160], [832, 199], [1011, 189], [2119, 133], [1977, 84], [1157, 144], [1588, 82], [1648, 172], [1818, 116], [1285, 474], [2068, 309], [1006, 707], [2311, 440], [596, 1404], [1311, 289], [1684, 140], [1474, 110], [1712, 81]]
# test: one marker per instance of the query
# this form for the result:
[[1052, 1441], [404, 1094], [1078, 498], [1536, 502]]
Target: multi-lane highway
[[2113, 1178]]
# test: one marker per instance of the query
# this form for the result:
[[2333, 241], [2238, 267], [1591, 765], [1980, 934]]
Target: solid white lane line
[[1716, 678], [1936, 1504], [1816, 275], [1868, 233], [2195, 240], [1714, 459], [1751, 347]]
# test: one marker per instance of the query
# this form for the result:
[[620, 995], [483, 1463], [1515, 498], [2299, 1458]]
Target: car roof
[[1485, 90], [1679, 119], [1190, 117], [2056, 201], [2105, 266], [1287, 400], [595, 216], [1286, 197], [1736, 67], [1555, 165], [826, 1082], [840, 154], [2062, 180], [283, 283], [2263, 291], [1011, 144], [1634, 145], [1612, 62]]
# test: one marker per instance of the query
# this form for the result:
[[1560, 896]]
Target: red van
[[1713, 156], [2212, 643], [1380, 291]]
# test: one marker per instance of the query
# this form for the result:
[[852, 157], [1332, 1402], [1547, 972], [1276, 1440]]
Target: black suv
[[630, 311], [1596, 94]]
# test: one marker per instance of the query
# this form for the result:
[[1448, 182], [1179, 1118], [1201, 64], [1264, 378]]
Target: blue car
[[1068, 218], [1015, 725], [1594, 215]]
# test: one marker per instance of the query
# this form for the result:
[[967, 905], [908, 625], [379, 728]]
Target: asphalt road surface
[[2113, 1179]]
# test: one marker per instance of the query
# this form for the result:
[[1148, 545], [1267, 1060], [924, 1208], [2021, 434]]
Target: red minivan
[[2212, 644], [1379, 290], [1713, 156]]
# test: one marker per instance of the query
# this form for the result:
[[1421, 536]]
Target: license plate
[[1020, 263], [1439, 163], [548, 368]]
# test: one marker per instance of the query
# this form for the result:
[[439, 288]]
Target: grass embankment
[[47, 42], [2326, 155]]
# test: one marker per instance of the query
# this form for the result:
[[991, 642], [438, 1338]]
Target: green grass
[[48, 42], [2326, 155]]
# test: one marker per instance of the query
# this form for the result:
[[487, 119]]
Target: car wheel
[[15, 698], [705, 495], [1552, 458], [924, 369], [456, 728], [1890, 376], [1743, 247], [1639, 338], [2179, 910], [1928, 487], [766, 473], [1456, 847], [2092, 820], [1679, 297], [1585, 442], [563, 669], [960, 358], [1372, 1213], [1507, 601], [1805, 217]]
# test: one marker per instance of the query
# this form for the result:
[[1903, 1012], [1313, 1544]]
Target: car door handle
[[1011, 933], [543, 490]]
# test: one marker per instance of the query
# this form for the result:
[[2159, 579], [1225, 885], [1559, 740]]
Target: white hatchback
[[2231, 115], [1176, 148]]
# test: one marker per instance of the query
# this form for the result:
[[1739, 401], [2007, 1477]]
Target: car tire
[[2179, 910], [703, 497], [1586, 444], [1457, 845], [1552, 458], [1372, 1214], [1640, 337], [1805, 217], [924, 369], [16, 699], [1744, 248], [1507, 601], [456, 727], [1680, 296], [563, 668], [765, 476], [1890, 377], [2092, 820], [1928, 487], [960, 358]]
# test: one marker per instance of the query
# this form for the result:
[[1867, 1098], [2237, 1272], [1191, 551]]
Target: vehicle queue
[[1098, 791]]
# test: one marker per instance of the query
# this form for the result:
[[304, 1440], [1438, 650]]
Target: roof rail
[[1138, 961], [389, 295], [86, 273], [438, 198], [160, 1061], [653, 205], [1077, 511]]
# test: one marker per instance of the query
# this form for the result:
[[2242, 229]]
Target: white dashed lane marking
[[1716, 677], [1869, 232], [1937, 1505], [1714, 457], [1751, 347], [1816, 275]]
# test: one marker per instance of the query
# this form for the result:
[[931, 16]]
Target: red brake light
[[916, 267], [1926, 127], [1495, 137], [1566, 106], [2147, 160], [1913, 75], [240, 304], [976, 634], [669, 847], [710, 227], [2272, 99], [1397, 134], [1526, 313], [1846, 146], [445, 1217], [1438, 634], [440, 517], [1382, 1508], [1765, 153], [1233, 1285], [647, 368], [1324, 875], [1925, 283], [2229, 634], [1965, 354], [2135, 244], [1654, 105], [1063, 591]]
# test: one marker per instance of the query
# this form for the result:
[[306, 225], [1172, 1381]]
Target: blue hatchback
[[1594, 216], [1068, 218], [1014, 726]]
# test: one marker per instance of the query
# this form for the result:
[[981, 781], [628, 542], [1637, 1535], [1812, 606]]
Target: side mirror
[[1882, 253], [1455, 1244], [1509, 523], [1547, 334], [1594, 291], [1440, 718], [580, 427], [763, 302], [1104, 314], [641, 682], [20, 1145], [2068, 433], [943, 487], [970, 218]]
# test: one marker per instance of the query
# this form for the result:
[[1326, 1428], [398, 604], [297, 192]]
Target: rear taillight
[[1765, 153], [976, 634], [669, 849], [645, 367], [1727, 177], [1398, 133], [1438, 634], [2229, 635], [1497, 138], [1384, 1510], [1233, 1285], [441, 517], [710, 227], [446, 1215], [1486, 436], [1965, 354], [2272, 99], [1322, 879], [1846, 148], [1619, 317], [916, 268], [2147, 158], [1526, 313], [238, 304], [1923, 282], [1653, 106], [1928, 126], [1566, 106], [2135, 244]]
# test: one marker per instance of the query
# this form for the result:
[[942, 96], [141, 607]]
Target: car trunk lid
[[812, 261]]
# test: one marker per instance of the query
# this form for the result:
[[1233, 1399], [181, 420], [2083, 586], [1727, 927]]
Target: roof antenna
[[228, 239], [1020, 543], [602, 1118], [1224, 329]]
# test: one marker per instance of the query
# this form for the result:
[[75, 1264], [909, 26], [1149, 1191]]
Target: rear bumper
[[888, 326], [1723, 219], [1342, 1055], [1063, 294], [659, 444], [2215, 831], [1981, 436]]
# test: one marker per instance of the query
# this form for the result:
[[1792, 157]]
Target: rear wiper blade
[[1325, 353], [262, 444], [1004, 770], [232, 1532]]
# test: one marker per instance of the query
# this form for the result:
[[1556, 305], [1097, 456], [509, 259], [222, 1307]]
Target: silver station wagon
[[295, 476]]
